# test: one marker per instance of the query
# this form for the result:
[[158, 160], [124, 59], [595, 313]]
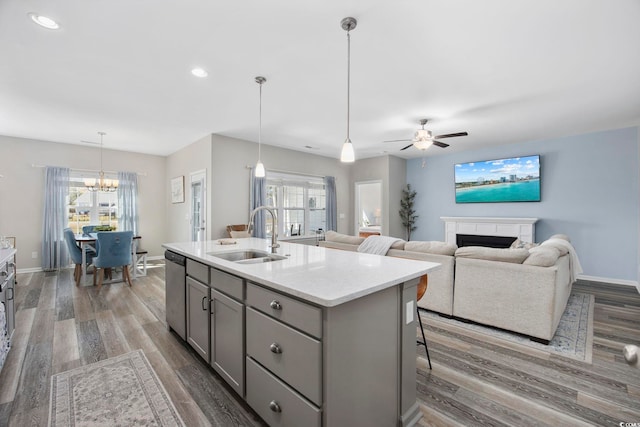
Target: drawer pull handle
[[275, 305], [275, 348], [204, 308], [273, 405]]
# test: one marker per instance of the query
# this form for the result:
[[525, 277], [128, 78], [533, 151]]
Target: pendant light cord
[[348, 82], [260, 124]]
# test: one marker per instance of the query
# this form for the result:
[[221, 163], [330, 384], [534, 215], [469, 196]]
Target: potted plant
[[407, 213]]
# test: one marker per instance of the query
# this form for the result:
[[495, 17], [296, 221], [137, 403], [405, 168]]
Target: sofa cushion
[[332, 236], [542, 256], [516, 256], [440, 248]]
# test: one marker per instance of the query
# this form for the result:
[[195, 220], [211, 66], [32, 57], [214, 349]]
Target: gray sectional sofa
[[521, 289]]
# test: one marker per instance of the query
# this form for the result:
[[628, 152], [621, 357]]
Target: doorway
[[368, 210], [198, 206]]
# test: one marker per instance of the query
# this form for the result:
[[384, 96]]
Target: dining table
[[87, 243]]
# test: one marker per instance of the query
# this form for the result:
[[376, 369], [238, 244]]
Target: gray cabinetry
[[198, 317], [227, 339], [7, 295], [276, 402], [215, 320], [284, 358]]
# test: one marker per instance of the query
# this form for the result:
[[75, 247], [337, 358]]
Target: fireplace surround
[[517, 228]]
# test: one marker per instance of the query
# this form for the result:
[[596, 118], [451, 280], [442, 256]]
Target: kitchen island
[[310, 336]]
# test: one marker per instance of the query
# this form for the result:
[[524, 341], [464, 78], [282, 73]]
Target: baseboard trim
[[610, 280], [29, 270]]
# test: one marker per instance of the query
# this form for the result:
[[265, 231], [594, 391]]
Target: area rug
[[573, 338], [119, 391]]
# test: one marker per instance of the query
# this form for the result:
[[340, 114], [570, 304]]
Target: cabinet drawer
[[226, 283], [298, 314], [266, 395], [293, 356], [198, 270]]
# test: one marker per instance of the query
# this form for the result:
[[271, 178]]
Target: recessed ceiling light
[[44, 21], [199, 72]]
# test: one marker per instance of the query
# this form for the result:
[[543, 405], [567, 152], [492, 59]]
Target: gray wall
[[22, 190], [231, 179], [391, 171], [589, 192], [192, 158]]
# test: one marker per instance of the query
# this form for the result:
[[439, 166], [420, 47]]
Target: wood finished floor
[[473, 382]]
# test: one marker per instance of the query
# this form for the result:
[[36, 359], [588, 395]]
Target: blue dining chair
[[75, 252], [114, 250], [87, 229]]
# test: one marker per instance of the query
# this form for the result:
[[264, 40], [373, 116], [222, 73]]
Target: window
[[86, 207], [300, 202]]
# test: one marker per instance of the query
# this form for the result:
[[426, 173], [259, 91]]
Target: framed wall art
[[177, 190]]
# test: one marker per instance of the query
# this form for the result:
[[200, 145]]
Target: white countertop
[[6, 254], [324, 276]]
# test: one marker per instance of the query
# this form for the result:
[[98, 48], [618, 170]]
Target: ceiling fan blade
[[410, 145], [451, 135], [397, 140], [440, 144]]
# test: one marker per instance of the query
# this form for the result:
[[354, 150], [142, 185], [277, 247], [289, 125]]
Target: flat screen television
[[515, 179]]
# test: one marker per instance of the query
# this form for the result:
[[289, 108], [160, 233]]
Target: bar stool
[[422, 288]]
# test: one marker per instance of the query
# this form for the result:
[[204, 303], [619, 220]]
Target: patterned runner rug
[[573, 338], [119, 391]]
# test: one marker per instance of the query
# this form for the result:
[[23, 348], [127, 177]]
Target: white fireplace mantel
[[522, 228]]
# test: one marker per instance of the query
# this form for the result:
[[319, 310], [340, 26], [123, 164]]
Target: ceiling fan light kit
[[348, 154], [423, 138]]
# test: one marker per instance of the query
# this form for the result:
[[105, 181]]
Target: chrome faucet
[[274, 235]]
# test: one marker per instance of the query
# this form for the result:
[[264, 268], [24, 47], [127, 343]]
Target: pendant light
[[260, 172], [348, 155], [101, 184]]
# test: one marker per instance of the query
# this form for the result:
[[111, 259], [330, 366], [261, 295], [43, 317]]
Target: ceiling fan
[[423, 138]]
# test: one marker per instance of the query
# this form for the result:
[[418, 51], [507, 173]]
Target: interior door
[[368, 209], [198, 206]]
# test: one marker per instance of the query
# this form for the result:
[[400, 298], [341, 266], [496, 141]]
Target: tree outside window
[[86, 207]]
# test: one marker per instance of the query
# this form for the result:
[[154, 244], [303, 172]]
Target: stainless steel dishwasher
[[175, 283]]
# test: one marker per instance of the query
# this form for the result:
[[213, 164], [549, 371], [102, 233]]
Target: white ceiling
[[505, 71]]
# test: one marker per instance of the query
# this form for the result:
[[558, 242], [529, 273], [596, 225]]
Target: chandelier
[[101, 184]]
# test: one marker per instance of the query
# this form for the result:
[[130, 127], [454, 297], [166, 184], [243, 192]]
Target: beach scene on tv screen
[[502, 180]]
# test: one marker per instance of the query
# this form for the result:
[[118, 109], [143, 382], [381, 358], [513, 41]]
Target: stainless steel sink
[[247, 257]]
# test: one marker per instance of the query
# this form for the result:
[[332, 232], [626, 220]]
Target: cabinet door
[[227, 339], [198, 317]]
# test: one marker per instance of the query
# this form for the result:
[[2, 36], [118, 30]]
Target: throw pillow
[[561, 236], [515, 256], [542, 256], [332, 236], [558, 243], [398, 245], [519, 244]]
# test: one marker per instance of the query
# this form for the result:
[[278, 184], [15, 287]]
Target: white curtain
[[128, 202], [258, 197], [56, 190]]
